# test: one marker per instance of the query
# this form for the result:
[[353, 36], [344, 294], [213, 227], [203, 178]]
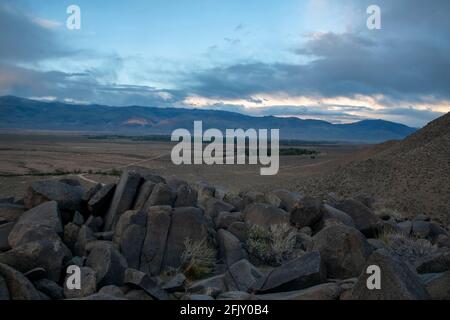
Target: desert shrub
[[297, 152], [115, 172], [408, 248], [272, 246], [197, 260]]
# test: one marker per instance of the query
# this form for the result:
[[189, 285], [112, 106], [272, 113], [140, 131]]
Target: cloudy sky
[[304, 58]]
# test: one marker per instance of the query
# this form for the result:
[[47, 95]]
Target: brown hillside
[[411, 176]]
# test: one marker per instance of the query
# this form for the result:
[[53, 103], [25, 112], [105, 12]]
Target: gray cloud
[[22, 39], [404, 61], [80, 87]]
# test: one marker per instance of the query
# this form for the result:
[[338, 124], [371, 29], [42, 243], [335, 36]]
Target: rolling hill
[[411, 176]]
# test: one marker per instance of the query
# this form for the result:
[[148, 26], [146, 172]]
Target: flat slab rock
[[303, 272]]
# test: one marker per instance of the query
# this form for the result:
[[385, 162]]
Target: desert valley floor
[[27, 157]]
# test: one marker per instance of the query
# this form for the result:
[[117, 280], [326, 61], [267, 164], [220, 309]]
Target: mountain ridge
[[27, 114]]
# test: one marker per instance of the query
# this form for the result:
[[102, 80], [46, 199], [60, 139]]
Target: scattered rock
[[405, 227], [239, 230], [112, 291], [205, 191], [108, 264], [265, 215], [437, 285], [242, 276], [162, 195], [5, 230], [398, 281], [272, 199], [307, 212], [99, 204], [88, 284], [235, 295], [438, 263], [153, 249], [225, 219], [91, 192], [300, 273], [326, 291], [421, 229], [288, 199], [41, 222], [209, 286], [50, 288], [107, 235], [197, 297], [70, 237], [11, 212], [138, 295], [85, 236], [178, 233], [67, 196], [101, 296], [365, 220], [123, 198], [215, 206], [4, 292], [94, 223], [236, 201], [140, 280], [442, 241], [230, 248], [344, 250], [176, 283], [186, 196], [46, 254], [333, 213], [144, 193], [36, 274], [130, 236], [19, 287], [251, 197]]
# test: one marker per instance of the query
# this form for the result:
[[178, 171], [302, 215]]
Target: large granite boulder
[[344, 250], [364, 218], [47, 254], [398, 280], [69, 197], [108, 264], [40, 223], [124, 197], [303, 272]]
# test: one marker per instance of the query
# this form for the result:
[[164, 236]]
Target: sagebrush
[[274, 245], [198, 258]]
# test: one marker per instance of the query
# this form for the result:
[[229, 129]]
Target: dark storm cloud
[[80, 87], [23, 39], [407, 59]]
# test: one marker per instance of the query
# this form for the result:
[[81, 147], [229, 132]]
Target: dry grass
[[272, 246], [197, 260], [408, 248]]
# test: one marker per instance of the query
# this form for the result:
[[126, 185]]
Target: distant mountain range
[[26, 114]]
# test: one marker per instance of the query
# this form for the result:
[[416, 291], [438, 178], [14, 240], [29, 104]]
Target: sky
[[302, 58]]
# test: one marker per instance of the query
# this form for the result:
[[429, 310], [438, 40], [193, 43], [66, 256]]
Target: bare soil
[[29, 156]]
